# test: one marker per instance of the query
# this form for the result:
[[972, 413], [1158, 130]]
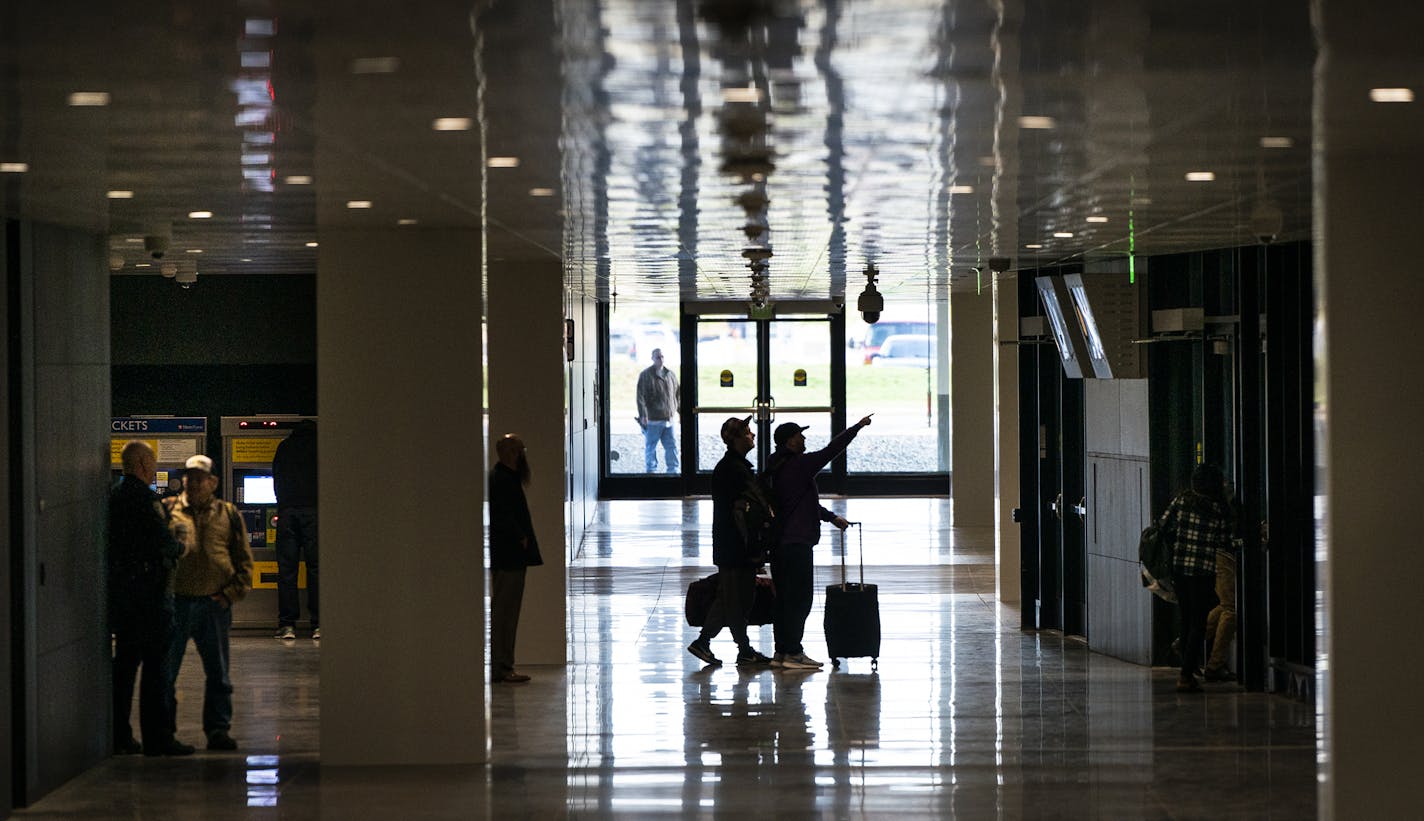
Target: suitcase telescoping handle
[[861, 532]]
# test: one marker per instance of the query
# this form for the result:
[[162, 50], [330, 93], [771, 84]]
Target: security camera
[[156, 245], [1266, 221], [870, 303]]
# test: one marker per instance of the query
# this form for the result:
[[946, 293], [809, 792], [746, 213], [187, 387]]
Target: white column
[[972, 408], [402, 464], [527, 396], [1007, 544], [1369, 185]]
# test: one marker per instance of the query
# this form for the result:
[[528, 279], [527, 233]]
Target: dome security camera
[[870, 303], [156, 245]]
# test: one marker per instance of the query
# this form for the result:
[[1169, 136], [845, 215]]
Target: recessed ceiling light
[[1037, 122], [1063, 234], [260, 27], [452, 124], [246, 259], [120, 195], [134, 240], [143, 265], [502, 162], [407, 221], [1392, 95], [256, 59], [89, 98], [298, 179], [541, 192], [961, 189], [1201, 176], [1033, 246], [355, 204], [195, 250], [312, 244], [1277, 142], [375, 65], [1097, 219], [200, 215], [14, 167]]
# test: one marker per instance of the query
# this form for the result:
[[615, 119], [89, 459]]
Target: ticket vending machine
[[173, 439], [249, 444]]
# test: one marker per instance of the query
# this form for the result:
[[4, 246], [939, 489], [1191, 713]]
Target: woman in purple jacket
[[791, 473]]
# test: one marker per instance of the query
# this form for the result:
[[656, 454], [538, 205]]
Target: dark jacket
[[294, 468], [509, 522], [792, 477], [142, 551], [731, 476]]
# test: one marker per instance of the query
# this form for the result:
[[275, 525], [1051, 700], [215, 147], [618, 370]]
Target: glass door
[[775, 370]]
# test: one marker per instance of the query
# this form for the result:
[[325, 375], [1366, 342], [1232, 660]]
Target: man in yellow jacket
[[214, 573]]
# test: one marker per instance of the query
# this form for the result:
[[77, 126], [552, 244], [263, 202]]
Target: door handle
[[1081, 508], [1055, 505]]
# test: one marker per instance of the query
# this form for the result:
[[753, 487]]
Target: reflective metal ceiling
[[923, 136]]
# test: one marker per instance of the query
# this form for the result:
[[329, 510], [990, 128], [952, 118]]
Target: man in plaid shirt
[[1198, 523]]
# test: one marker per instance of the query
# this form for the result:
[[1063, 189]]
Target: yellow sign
[[264, 575], [726, 379], [254, 449], [798, 379], [116, 449]]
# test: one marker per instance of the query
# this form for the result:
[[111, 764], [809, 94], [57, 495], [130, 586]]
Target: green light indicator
[[1131, 232]]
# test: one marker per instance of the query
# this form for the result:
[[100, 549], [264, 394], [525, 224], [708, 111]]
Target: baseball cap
[[734, 427], [785, 431], [199, 462]]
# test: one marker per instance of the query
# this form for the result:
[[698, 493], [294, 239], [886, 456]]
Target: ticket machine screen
[[258, 490]]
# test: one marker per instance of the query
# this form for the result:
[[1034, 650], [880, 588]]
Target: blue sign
[[167, 424]]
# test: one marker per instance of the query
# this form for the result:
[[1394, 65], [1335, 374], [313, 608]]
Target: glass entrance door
[[774, 370]]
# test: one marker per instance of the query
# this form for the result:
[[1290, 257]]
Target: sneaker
[[778, 660], [1188, 684], [510, 678], [1218, 674], [171, 746], [751, 658], [799, 661], [316, 634], [220, 740], [288, 632], [704, 652]]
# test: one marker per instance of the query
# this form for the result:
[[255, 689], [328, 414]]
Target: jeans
[[207, 623], [143, 631], [794, 573], [296, 542], [506, 597], [1194, 598], [659, 430], [1221, 621]]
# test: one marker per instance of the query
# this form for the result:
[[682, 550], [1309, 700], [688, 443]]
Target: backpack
[[756, 521], [1154, 551]]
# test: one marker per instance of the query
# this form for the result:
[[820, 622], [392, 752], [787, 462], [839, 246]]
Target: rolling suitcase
[[853, 614]]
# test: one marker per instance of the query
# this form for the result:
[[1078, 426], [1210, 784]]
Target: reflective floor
[[965, 715]]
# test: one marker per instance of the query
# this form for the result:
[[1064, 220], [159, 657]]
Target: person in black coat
[[513, 548], [294, 478], [142, 555], [736, 566]]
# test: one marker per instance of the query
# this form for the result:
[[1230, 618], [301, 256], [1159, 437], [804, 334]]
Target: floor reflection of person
[[657, 408]]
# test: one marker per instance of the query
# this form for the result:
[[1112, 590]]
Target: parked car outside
[[905, 351], [622, 343], [876, 334]]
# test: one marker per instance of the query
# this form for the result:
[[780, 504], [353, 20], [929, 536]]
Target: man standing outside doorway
[[657, 408], [294, 479]]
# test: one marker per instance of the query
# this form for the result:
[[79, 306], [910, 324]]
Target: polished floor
[[965, 716]]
